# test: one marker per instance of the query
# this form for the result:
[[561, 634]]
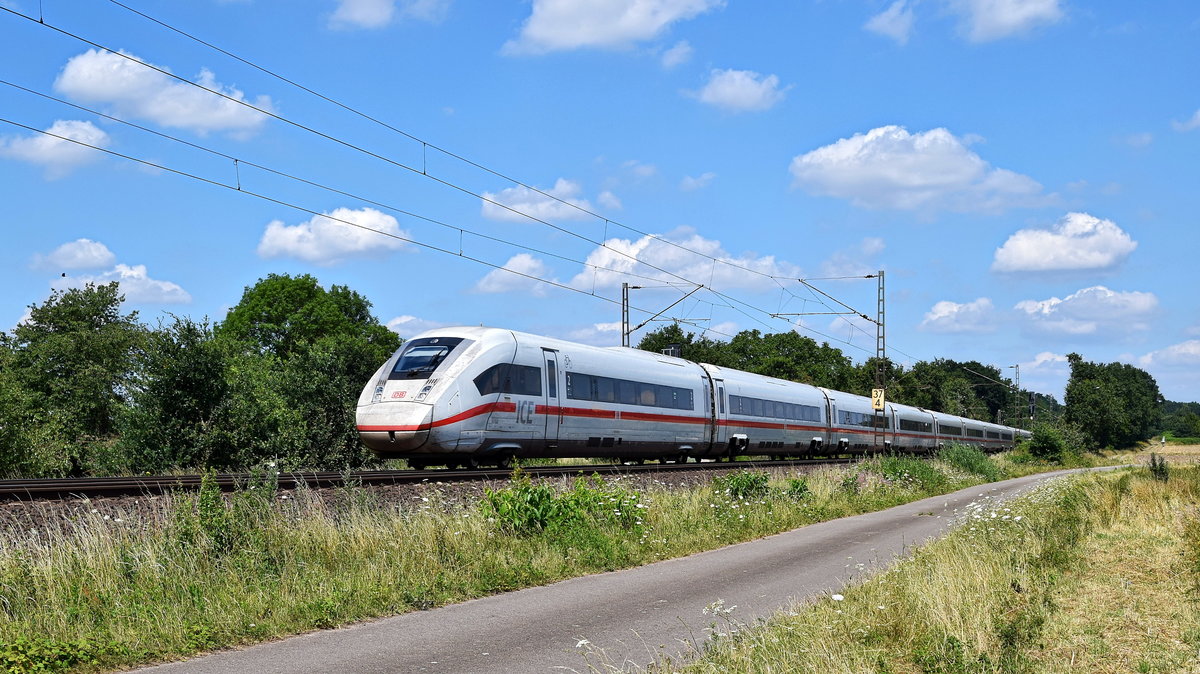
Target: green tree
[[298, 356], [75, 355], [1114, 404], [179, 387], [283, 314]]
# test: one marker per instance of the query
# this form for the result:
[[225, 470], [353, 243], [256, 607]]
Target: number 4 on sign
[[877, 398]]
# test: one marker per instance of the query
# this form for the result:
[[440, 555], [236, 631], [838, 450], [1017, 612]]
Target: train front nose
[[394, 427]]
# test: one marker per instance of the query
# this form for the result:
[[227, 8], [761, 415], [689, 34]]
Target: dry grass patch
[[1130, 606], [1096, 573]]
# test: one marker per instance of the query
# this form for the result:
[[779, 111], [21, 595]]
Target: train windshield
[[421, 357]]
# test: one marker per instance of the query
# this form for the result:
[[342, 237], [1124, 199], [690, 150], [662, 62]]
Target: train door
[[714, 390], [553, 404]]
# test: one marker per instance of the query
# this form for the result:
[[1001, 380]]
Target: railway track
[[89, 487]]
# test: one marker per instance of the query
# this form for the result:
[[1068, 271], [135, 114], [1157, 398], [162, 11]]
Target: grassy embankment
[[208, 572], [1096, 573]]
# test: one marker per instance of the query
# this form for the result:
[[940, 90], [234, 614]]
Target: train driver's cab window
[[506, 378], [421, 357]]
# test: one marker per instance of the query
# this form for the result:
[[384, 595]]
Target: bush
[[971, 460], [1051, 442], [743, 484], [797, 488], [1159, 469], [527, 508], [906, 469]]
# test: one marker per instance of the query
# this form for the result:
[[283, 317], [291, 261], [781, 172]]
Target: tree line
[[1107, 405], [87, 389]]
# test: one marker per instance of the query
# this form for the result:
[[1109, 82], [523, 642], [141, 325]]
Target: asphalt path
[[618, 620]]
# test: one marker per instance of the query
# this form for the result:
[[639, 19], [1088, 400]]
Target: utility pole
[[625, 314], [1017, 397], [878, 396]]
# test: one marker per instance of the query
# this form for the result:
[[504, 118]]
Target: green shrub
[[797, 488], [906, 470], [25, 654], [743, 484], [970, 460], [1159, 469], [527, 508]]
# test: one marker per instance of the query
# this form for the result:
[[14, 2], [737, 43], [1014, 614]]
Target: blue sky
[[1024, 170]]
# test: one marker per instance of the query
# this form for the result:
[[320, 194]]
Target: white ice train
[[471, 396]]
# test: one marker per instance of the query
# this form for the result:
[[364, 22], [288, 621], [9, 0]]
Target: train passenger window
[[949, 430], [627, 392], [506, 378], [606, 390]]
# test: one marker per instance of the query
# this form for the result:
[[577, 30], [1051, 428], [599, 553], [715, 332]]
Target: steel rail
[[88, 487]]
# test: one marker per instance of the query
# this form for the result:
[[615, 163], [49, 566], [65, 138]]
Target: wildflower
[[836, 597]]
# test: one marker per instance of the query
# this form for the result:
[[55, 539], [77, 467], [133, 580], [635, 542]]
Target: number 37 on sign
[[877, 398]]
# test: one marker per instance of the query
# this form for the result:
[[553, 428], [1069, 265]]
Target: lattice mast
[[880, 369]]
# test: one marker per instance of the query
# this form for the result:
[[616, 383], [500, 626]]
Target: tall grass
[[209, 571], [990, 596]]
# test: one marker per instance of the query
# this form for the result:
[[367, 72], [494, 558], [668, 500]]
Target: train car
[[469, 396]]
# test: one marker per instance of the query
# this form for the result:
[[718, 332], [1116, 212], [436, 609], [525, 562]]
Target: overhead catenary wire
[[396, 163], [283, 174], [310, 211], [425, 143], [423, 172]]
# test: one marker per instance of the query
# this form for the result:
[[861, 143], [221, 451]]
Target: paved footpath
[[630, 616]]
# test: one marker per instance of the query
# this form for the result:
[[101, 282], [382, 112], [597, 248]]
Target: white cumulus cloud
[[988, 20], [515, 275], [329, 239], [56, 155], [610, 24], [1188, 125], [135, 90], [895, 22], [609, 200], [1184, 353], [523, 201], [379, 13], [889, 168], [406, 326], [1077, 241], [619, 259], [690, 184], [135, 284], [1090, 311], [741, 90], [951, 317], [77, 254], [679, 54]]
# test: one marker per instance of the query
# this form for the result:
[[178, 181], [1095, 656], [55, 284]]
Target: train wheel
[[682, 459], [505, 462], [471, 463], [417, 465]]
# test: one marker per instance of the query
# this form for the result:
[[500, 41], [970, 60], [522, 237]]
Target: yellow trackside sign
[[877, 398]]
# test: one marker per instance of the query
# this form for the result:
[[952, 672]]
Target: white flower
[[836, 597]]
